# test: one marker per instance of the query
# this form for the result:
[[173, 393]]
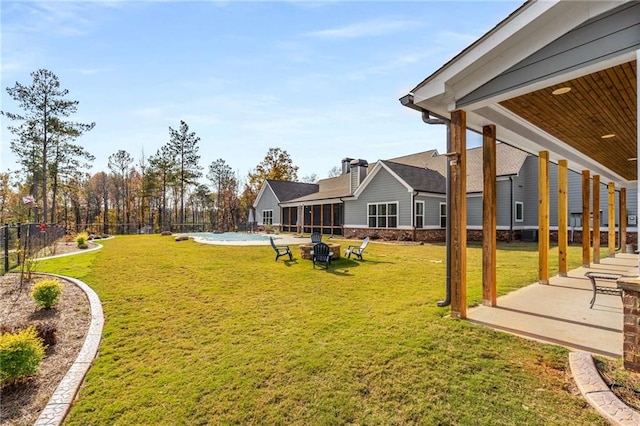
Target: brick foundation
[[631, 322], [475, 235]]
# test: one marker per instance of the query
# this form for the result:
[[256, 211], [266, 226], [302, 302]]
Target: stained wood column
[[586, 232], [489, 215], [543, 217], [596, 219], [622, 208], [611, 214], [458, 222], [563, 212]]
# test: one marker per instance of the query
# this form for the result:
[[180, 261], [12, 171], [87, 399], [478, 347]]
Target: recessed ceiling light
[[609, 136], [561, 91]]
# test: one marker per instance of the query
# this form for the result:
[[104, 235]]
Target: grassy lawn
[[199, 334]]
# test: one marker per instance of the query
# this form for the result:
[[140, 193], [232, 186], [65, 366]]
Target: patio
[[559, 313]]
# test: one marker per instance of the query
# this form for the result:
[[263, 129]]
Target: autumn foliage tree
[[277, 165]]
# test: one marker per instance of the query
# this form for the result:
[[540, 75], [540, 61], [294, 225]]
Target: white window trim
[[397, 215], [440, 215], [263, 216], [516, 211], [416, 215]]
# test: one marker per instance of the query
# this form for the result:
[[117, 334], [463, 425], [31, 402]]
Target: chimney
[[345, 165], [358, 173]]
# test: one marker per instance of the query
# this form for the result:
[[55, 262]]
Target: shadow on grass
[[373, 262]]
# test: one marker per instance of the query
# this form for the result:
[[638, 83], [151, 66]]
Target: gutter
[[407, 101]]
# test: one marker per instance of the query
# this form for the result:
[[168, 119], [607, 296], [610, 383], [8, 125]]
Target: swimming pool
[[229, 236]]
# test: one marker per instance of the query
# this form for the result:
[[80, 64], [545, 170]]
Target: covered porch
[[559, 313], [557, 80], [325, 218]]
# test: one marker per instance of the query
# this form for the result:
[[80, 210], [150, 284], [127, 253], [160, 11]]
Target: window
[[443, 215], [519, 211], [267, 217], [419, 214], [383, 215]]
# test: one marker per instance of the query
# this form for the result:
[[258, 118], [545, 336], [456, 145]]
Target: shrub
[[46, 293], [81, 239], [20, 355]]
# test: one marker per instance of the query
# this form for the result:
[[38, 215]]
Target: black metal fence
[[134, 228], [25, 239]]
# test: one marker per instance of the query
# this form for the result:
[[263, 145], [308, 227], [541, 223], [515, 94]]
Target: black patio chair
[[321, 254], [281, 250], [316, 237], [357, 250]]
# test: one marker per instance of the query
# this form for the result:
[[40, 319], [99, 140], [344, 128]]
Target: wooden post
[[543, 217], [333, 219], [489, 209], [458, 222], [622, 208], [596, 219], [586, 234], [563, 237], [611, 218]]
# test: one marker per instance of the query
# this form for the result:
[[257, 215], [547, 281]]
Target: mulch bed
[[23, 401]]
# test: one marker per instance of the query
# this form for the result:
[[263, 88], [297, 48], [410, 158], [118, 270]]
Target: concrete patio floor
[[559, 313]]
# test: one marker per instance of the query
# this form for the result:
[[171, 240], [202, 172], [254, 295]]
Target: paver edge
[[54, 412], [597, 393]]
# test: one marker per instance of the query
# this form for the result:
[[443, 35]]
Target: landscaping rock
[[182, 238]]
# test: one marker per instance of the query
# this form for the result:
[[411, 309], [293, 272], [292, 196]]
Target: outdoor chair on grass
[[281, 250], [316, 237], [321, 254], [357, 250]]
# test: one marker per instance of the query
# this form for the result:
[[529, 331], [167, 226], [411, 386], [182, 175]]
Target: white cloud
[[364, 29]]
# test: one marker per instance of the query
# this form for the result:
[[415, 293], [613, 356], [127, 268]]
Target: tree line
[[162, 191]]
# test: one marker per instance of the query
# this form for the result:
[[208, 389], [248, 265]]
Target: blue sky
[[319, 80]]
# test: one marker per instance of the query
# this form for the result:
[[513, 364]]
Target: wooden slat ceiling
[[598, 104]]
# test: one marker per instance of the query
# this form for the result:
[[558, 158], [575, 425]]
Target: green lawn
[[199, 334]]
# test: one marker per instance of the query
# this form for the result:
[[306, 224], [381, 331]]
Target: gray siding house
[[404, 198], [274, 192]]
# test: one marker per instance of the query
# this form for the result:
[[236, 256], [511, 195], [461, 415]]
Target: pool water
[[229, 236]]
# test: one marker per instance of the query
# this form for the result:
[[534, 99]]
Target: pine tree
[[183, 145], [44, 107]]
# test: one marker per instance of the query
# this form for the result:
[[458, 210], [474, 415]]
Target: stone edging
[[98, 247], [597, 393], [58, 406]]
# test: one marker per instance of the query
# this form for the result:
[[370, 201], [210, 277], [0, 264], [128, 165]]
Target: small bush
[[20, 355], [81, 239], [46, 293]]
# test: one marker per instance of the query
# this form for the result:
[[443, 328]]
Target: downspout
[[511, 217], [447, 299], [407, 101]]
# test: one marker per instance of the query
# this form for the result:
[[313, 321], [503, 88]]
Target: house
[[405, 198], [274, 192]]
